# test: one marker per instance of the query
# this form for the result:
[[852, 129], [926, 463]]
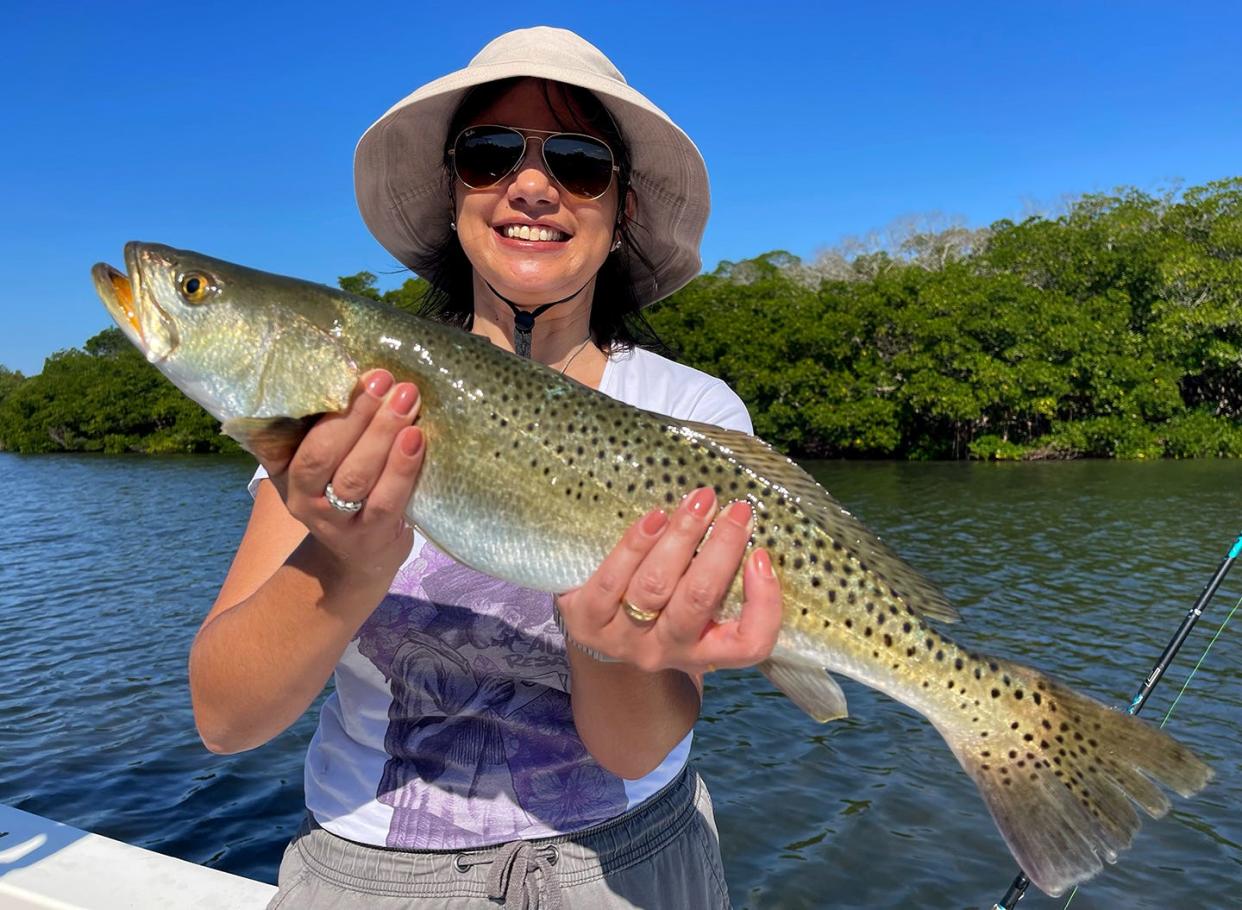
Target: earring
[[453, 226], [615, 246]]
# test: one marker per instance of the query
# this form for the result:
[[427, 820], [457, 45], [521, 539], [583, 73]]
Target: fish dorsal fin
[[780, 472]]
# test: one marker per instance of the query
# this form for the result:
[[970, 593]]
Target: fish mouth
[[122, 296], [114, 288]]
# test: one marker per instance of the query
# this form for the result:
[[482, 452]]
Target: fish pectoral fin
[[306, 370], [808, 687], [907, 585], [272, 440]]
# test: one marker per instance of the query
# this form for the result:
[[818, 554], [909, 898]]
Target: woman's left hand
[[656, 569]]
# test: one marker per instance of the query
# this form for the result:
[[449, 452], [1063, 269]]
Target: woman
[[545, 200]]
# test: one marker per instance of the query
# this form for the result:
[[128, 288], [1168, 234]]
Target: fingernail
[[739, 513], [379, 384], [763, 563], [654, 522], [402, 401], [701, 501], [411, 441]]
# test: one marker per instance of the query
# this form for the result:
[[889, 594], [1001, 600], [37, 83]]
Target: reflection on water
[[1083, 569]]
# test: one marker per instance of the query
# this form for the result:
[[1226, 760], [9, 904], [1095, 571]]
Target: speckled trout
[[532, 478]]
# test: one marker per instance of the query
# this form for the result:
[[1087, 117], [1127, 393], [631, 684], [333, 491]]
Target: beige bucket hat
[[403, 186]]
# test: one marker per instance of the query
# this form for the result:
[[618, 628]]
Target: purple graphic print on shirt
[[481, 742]]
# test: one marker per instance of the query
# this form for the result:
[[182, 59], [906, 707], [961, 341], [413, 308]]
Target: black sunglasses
[[485, 155]]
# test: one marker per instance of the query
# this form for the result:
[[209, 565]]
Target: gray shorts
[[662, 855]]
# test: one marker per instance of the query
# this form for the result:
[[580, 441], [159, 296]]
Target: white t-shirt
[[450, 725]]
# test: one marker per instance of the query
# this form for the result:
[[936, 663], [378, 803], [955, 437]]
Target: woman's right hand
[[291, 603], [369, 452]]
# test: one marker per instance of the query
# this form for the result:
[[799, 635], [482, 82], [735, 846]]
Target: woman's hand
[[370, 453], [655, 568]]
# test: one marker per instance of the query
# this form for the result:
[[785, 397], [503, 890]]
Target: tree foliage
[[1113, 329], [105, 398]]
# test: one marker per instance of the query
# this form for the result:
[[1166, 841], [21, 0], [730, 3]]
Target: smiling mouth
[[532, 233]]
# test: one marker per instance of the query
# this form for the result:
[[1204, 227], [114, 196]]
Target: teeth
[[526, 232]]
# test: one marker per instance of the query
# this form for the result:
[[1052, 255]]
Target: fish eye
[[195, 286]]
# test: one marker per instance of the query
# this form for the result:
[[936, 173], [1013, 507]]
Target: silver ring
[[349, 506]]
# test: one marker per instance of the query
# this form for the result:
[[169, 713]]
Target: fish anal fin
[[777, 470], [808, 687], [272, 440]]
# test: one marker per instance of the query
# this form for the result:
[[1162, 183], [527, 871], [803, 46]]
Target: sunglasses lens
[[579, 163], [485, 155]]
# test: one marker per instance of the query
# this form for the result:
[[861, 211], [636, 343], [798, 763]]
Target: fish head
[[240, 342]]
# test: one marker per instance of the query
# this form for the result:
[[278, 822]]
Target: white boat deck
[[47, 865]]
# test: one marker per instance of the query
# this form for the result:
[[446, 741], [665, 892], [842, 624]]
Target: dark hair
[[616, 321]]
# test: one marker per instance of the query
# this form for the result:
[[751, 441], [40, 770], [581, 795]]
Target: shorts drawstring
[[510, 877]]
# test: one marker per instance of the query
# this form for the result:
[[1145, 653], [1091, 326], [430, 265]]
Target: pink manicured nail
[[379, 384], [701, 501], [739, 513], [654, 523], [411, 441], [763, 563], [402, 401]]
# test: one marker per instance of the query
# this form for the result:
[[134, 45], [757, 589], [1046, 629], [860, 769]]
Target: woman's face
[[533, 271]]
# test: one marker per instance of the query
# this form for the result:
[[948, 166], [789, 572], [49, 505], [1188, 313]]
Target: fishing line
[[1021, 883]]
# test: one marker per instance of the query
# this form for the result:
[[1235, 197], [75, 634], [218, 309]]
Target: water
[[107, 565]]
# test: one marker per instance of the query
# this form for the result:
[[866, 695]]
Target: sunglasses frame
[[542, 135]]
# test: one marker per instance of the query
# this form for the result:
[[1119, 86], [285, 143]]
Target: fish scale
[[533, 478]]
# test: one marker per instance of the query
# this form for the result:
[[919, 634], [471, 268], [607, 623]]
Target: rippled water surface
[[108, 564]]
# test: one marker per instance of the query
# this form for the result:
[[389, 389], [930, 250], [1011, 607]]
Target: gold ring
[[638, 614]]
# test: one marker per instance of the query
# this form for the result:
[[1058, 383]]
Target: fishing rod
[[1021, 883]]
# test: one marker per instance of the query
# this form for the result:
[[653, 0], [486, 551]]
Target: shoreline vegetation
[[1111, 330]]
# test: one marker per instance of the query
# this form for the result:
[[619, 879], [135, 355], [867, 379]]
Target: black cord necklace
[[524, 320]]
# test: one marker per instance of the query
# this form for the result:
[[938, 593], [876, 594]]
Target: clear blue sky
[[230, 127]]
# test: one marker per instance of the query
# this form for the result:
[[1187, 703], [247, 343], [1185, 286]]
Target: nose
[[532, 184]]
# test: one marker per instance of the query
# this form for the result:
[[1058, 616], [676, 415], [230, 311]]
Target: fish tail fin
[[1059, 774]]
